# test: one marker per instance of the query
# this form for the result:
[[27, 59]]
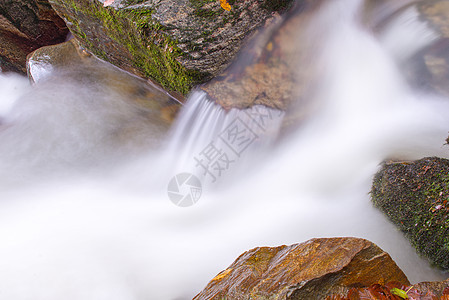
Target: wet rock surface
[[396, 290], [26, 25], [178, 43], [312, 270], [414, 196], [426, 64], [267, 73]]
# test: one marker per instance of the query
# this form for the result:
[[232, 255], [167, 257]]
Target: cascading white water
[[113, 233]]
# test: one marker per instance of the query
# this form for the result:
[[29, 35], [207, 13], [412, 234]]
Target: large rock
[[311, 270], [26, 25], [414, 195], [272, 70], [177, 43]]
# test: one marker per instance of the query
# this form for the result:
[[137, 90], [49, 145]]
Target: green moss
[[415, 197], [278, 5], [145, 46]]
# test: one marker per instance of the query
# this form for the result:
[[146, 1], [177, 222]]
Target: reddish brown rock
[[26, 25], [312, 270], [398, 291]]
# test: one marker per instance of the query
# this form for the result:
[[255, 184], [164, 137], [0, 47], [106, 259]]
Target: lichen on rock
[[177, 43], [414, 196]]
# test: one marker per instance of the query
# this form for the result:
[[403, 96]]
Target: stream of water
[[84, 209]]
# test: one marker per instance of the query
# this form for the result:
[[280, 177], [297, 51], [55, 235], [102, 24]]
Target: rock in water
[[311, 270], [419, 32], [177, 43], [414, 195], [26, 25], [70, 60]]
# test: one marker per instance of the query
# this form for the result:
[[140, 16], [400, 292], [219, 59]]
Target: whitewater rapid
[[85, 215]]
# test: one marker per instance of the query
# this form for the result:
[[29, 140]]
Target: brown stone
[[26, 25], [311, 270], [271, 70]]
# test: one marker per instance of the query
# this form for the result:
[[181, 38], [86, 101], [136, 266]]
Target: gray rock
[[178, 43]]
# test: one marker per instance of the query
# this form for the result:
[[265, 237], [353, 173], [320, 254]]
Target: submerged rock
[[26, 25], [73, 62], [414, 195], [311, 270], [418, 36], [177, 43]]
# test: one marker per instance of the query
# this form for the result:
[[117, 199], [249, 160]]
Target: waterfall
[[86, 213]]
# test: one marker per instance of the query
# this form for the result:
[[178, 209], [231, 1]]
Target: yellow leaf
[[399, 292], [225, 5], [222, 274]]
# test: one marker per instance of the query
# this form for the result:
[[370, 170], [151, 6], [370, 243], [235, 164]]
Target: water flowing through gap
[[85, 217]]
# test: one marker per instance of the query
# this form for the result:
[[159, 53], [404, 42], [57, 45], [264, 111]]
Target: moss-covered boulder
[[415, 195], [26, 25], [177, 43]]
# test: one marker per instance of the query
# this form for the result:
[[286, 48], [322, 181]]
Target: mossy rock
[[415, 195], [177, 43]]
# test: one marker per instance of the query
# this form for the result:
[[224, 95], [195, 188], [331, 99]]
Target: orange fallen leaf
[[225, 5]]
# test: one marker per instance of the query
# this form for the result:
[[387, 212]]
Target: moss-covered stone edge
[[415, 198], [149, 50]]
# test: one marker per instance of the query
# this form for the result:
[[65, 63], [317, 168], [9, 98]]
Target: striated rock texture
[[311, 270], [178, 43], [26, 25], [414, 195]]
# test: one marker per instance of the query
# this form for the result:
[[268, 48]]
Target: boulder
[[414, 196], [178, 43], [26, 25], [279, 68], [312, 270]]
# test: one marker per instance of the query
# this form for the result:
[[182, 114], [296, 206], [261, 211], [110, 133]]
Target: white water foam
[[114, 234]]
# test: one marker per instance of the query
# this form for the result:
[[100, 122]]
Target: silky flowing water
[[84, 208]]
